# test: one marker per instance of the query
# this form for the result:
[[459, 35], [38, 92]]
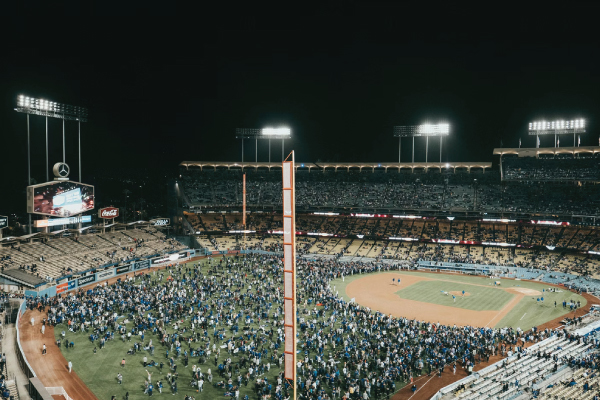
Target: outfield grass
[[99, 371], [479, 299], [529, 312], [525, 315]]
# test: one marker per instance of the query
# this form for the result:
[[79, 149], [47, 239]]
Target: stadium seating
[[519, 372], [397, 191], [52, 258], [561, 168]]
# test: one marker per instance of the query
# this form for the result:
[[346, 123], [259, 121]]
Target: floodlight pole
[[574, 139], [426, 147], [242, 150], [28, 168], [64, 151], [441, 137], [269, 150], [282, 152], [399, 149], [413, 150], [555, 140], [79, 141], [256, 149]]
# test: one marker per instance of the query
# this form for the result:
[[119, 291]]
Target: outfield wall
[[69, 285]]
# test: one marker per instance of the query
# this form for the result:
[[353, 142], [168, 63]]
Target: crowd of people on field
[[226, 321]]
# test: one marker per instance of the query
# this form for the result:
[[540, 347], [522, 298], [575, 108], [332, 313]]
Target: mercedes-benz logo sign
[[61, 170]]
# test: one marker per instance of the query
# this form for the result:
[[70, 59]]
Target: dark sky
[[341, 86]]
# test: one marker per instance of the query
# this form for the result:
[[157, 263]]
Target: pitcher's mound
[[459, 294]]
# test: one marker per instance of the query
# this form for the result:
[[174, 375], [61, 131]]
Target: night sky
[[156, 101]]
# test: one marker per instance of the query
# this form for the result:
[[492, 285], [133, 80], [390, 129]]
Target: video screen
[[60, 199]]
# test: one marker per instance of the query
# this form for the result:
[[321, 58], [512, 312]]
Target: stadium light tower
[[268, 133], [427, 130], [45, 108], [556, 128]]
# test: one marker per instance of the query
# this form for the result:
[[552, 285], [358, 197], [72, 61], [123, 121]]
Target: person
[[120, 378], [463, 293], [70, 366], [454, 298], [43, 329], [32, 321], [122, 362], [44, 349]]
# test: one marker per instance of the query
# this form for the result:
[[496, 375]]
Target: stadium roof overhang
[[336, 166], [23, 278], [534, 152]]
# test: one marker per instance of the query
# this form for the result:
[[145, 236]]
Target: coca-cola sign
[[108, 212]]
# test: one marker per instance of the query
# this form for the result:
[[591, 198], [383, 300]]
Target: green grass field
[[479, 299], [99, 371], [525, 315]]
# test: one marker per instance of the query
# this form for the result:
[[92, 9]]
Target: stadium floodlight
[[427, 129], [433, 130], [441, 129], [46, 108], [279, 133], [557, 127], [268, 133]]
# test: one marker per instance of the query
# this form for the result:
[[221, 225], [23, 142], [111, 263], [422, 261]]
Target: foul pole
[[289, 269], [244, 207], [244, 211]]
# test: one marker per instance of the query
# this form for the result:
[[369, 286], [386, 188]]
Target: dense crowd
[[430, 191], [551, 169], [346, 350]]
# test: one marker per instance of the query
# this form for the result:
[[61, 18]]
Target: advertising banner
[[125, 268], [3, 222], [43, 223], [160, 222], [105, 274], [86, 279], [63, 287], [108, 212], [142, 264], [170, 257], [72, 284]]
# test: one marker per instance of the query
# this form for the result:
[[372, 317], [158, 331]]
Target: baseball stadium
[[407, 291], [134, 265]]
